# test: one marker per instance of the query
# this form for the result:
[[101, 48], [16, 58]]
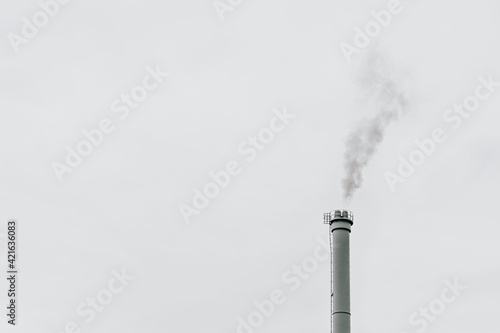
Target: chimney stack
[[340, 222]]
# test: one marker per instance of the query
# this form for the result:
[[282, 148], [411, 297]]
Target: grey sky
[[120, 207]]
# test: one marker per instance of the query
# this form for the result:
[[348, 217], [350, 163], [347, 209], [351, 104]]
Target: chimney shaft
[[340, 228]]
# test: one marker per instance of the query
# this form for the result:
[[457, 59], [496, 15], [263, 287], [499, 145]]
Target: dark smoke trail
[[388, 96]]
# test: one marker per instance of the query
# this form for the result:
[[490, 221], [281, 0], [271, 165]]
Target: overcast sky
[[237, 69]]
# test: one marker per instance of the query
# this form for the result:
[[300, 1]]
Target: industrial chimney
[[340, 222]]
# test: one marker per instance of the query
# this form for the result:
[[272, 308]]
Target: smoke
[[387, 95]]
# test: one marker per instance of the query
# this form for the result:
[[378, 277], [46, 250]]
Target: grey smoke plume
[[388, 96]]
